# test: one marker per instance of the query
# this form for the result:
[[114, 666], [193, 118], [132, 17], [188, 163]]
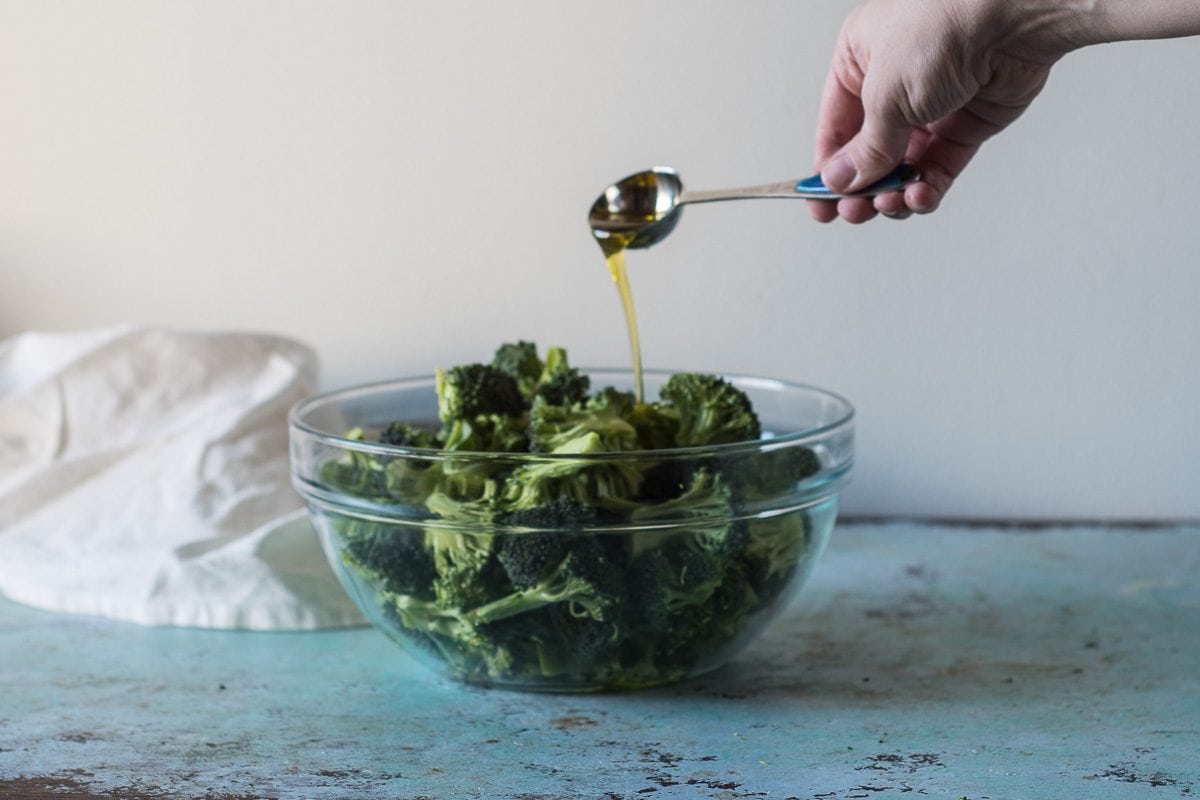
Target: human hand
[[928, 82]]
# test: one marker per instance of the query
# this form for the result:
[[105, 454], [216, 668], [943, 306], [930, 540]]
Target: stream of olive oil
[[616, 265]]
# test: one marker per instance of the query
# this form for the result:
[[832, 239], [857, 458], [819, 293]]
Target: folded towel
[[144, 477]]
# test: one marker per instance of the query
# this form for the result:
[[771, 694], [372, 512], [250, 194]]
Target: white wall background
[[404, 184]]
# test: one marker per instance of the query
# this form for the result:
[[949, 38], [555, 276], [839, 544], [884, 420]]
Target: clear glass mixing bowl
[[634, 626]]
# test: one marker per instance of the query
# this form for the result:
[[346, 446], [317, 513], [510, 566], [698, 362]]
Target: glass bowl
[[646, 589]]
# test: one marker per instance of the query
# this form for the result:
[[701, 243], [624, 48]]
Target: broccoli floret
[[355, 475], [768, 474], [665, 480], [560, 384], [648, 577], [461, 586], [482, 410], [774, 545], [489, 433], [526, 557], [560, 514], [520, 361], [609, 484], [600, 558], [665, 581], [391, 555], [553, 428], [400, 434], [612, 400], [711, 410], [657, 425], [733, 598], [568, 583], [472, 390], [702, 512], [584, 646], [469, 575]]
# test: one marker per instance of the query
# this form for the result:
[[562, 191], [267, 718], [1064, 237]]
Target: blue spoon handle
[[815, 189]]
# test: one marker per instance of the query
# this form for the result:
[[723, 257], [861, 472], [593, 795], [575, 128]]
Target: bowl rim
[[376, 448]]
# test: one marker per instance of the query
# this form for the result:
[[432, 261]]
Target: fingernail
[[924, 206], [839, 173]]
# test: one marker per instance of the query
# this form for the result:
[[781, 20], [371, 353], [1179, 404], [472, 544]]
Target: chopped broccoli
[[711, 410], [490, 433], [567, 583], [471, 390], [394, 556], [526, 557], [560, 384], [520, 361], [601, 485], [554, 428], [400, 434], [765, 474], [505, 567], [702, 511], [657, 426], [610, 399]]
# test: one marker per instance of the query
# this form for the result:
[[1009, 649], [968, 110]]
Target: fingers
[[841, 113], [822, 210], [856, 210], [940, 152], [875, 151], [839, 118], [854, 147]]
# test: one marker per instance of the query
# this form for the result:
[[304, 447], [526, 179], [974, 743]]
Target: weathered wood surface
[[920, 661]]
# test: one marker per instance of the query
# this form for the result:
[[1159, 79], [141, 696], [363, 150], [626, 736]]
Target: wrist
[[1121, 20], [1040, 31]]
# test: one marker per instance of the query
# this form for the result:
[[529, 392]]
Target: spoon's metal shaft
[[807, 189]]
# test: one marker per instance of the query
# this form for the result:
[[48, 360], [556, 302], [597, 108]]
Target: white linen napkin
[[144, 477]]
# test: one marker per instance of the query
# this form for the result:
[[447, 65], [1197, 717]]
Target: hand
[[928, 82]]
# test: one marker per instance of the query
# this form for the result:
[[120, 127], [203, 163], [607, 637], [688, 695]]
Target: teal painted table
[[920, 661]]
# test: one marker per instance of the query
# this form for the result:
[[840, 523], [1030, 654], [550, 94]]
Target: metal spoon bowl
[[642, 209]]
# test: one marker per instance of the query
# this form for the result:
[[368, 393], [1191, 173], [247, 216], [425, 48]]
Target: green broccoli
[[400, 434], [527, 556], [468, 573], [395, 557], [766, 474], [560, 384], [554, 428], [488, 433], [471, 390], [711, 410], [701, 513], [657, 426], [608, 484], [567, 583], [610, 399], [520, 361], [503, 567], [666, 580]]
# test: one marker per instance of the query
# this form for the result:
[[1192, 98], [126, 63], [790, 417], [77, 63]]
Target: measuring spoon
[[642, 209]]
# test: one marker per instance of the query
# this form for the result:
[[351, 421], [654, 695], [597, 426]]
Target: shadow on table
[[920, 647]]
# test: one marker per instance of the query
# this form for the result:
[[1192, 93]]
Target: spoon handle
[[812, 188]]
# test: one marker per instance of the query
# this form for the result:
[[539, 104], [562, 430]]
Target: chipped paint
[[921, 661]]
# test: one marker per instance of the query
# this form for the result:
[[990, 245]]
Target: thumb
[[875, 150]]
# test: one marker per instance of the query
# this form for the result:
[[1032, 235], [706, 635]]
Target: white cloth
[[144, 477]]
